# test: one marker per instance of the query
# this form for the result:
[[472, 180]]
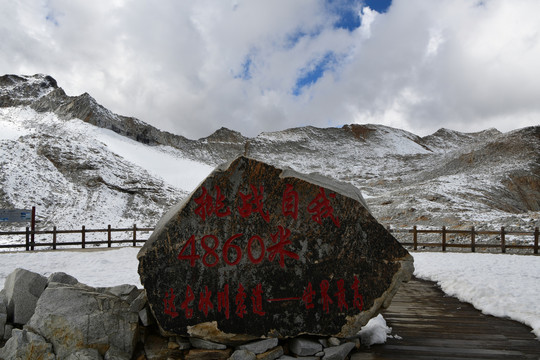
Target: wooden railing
[[472, 234], [444, 243], [30, 244]]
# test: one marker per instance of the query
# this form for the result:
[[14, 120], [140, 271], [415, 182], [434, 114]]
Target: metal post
[[473, 239]]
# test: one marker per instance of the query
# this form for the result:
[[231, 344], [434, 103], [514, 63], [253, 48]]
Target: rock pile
[[69, 321]]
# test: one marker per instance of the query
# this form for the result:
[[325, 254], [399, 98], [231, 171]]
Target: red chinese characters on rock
[[209, 250], [253, 202], [207, 205], [281, 239], [309, 298], [320, 208], [289, 203]]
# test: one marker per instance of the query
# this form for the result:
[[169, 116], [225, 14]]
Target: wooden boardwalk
[[433, 325]]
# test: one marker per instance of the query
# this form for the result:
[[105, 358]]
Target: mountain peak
[[225, 135]]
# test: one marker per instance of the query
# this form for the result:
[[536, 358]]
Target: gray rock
[[338, 352], [23, 289], [258, 347], [139, 303], [333, 341], [287, 357], [85, 354], [73, 317], [271, 354], [63, 278], [205, 344], [25, 345], [324, 342], [8, 331], [304, 347], [146, 317], [242, 354], [125, 292]]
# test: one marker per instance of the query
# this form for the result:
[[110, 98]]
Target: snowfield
[[498, 284]]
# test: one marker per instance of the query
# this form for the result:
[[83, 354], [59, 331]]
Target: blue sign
[[15, 215]]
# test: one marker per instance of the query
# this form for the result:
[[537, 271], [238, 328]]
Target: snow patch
[[497, 284], [375, 331]]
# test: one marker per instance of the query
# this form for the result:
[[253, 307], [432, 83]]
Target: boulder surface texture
[[22, 291], [76, 317], [261, 251]]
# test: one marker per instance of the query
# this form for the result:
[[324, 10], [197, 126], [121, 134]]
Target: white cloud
[[192, 67]]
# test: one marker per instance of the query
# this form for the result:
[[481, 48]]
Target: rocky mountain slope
[[79, 163]]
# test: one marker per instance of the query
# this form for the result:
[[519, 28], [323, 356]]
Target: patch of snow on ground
[[375, 331], [98, 268], [497, 284]]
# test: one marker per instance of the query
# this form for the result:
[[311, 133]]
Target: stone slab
[[260, 251]]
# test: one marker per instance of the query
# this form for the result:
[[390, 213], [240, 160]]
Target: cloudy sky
[[191, 67]]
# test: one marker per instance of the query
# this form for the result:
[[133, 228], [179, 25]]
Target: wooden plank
[[432, 325]]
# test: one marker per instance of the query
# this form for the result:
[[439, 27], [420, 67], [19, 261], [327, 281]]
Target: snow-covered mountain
[[79, 163]]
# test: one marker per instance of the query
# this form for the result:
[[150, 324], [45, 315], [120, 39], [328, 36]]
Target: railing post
[[33, 227], [536, 240], [444, 238], [83, 238], [109, 237], [134, 234], [54, 238], [27, 238], [473, 239], [415, 238], [503, 240]]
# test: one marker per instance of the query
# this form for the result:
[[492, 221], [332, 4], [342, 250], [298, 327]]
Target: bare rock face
[[257, 251]]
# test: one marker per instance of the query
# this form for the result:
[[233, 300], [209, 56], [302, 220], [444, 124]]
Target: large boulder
[[22, 290], [257, 251], [75, 317]]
